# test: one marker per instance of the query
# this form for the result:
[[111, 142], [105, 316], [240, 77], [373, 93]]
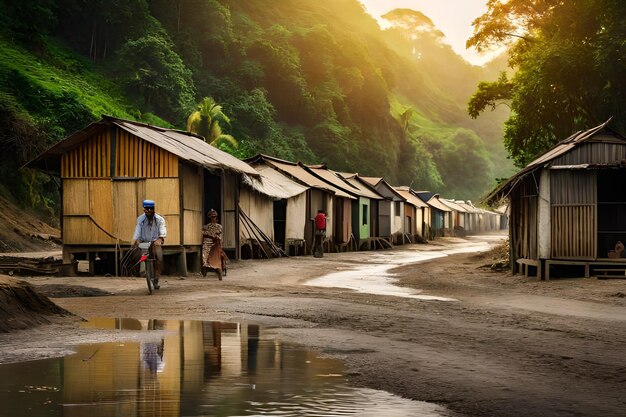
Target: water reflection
[[191, 368]]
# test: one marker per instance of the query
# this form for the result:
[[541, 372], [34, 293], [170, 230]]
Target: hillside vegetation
[[316, 81]]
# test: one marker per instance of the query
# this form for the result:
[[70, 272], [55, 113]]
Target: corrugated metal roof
[[434, 202], [373, 181], [185, 145], [453, 205], [338, 181], [424, 195], [299, 173], [188, 147], [275, 184], [564, 146], [383, 188], [469, 207], [405, 192], [354, 180]]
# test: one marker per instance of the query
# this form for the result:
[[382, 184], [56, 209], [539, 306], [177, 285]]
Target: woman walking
[[213, 256]]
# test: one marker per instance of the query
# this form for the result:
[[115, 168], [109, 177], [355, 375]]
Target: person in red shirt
[[320, 234]]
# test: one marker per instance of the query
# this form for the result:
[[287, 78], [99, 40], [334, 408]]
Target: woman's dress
[[212, 253]]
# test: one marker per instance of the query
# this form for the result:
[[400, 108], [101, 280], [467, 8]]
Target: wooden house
[[361, 205], [414, 214], [459, 217], [108, 168], [319, 196], [272, 213], [390, 210], [567, 206], [439, 220]]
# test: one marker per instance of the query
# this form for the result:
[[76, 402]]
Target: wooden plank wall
[[125, 209], [87, 212], [191, 180], [138, 158], [573, 197], [166, 195], [524, 208], [91, 159], [229, 208], [100, 206], [593, 153]]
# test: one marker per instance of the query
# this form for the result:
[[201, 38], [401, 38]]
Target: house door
[[611, 210], [280, 221]]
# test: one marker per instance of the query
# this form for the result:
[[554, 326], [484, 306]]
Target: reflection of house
[[110, 166], [138, 379], [567, 206]]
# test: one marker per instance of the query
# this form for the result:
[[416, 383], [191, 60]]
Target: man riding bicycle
[[151, 228]]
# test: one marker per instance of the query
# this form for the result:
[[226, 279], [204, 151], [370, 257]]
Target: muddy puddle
[[376, 277], [192, 368]]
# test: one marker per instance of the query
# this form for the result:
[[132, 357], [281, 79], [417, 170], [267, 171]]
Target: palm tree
[[205, 121]]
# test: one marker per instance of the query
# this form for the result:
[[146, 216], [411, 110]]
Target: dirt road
[[507, 345]]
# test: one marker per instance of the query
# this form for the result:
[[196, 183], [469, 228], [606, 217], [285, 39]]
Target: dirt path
[[508, 346]]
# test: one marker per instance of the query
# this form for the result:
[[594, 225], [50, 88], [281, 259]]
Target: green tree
[[205, 121], [156, 76], [569, 59]]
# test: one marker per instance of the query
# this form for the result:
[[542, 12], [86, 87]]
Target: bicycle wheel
[[149, 274]]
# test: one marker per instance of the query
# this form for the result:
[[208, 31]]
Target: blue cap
[[148, 204]]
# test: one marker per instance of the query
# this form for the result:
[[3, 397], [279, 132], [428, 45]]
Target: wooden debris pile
[[30, 265]]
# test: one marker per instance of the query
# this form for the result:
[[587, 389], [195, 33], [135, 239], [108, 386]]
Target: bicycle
[[148, 262]]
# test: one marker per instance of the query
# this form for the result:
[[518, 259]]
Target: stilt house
[[567, 206], [108, 169]]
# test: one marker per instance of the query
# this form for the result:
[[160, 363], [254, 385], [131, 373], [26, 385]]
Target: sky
[[453, 17]]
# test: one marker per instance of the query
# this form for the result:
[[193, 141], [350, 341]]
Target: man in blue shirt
[[151, 228]]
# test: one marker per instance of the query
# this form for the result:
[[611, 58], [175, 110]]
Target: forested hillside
[[309, 80]]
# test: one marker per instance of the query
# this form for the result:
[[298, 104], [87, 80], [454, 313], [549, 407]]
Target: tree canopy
[[568, 59]]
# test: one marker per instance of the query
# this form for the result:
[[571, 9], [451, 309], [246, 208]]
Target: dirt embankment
[[22, 231], [22, 307]]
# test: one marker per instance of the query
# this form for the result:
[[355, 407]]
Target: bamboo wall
[[573, 197], [296, 217], [230, 185], [106, 178], [100, 211], [133, 157], [191, 180], [345, 228], [524, 219], [138, 158], [260, 209]]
